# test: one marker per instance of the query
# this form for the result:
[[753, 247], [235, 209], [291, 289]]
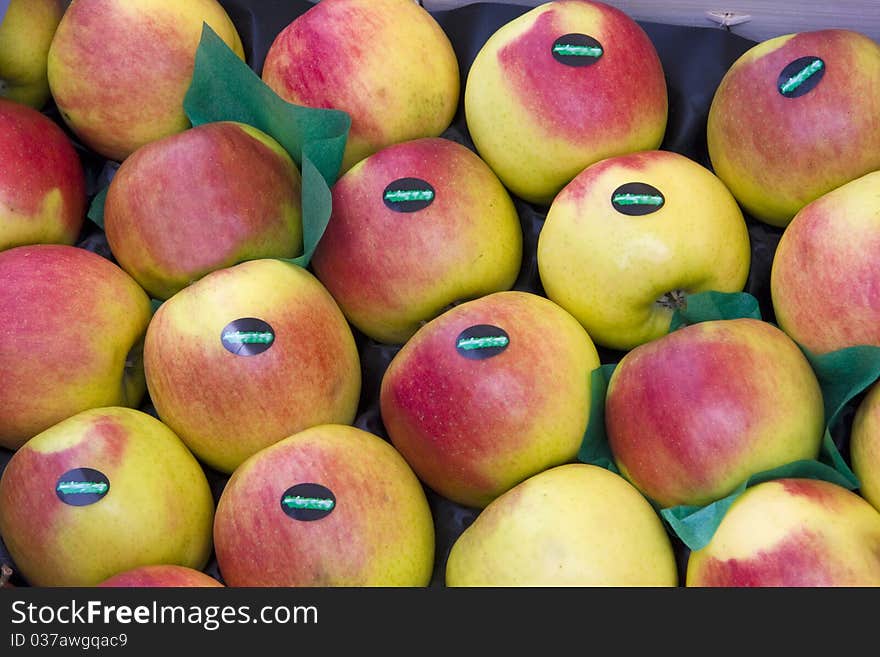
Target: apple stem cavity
[[673, 300]]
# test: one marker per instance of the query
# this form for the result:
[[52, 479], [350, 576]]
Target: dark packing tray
[[694, 60]]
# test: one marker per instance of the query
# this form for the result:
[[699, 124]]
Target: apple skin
[[71, 329], [119, 69], [167, 576], [572, 525], [226, 407], [473, 429], [824, 282], [26, 32], [792, 533], [613, 272], [537, 122], [42, 184], [158, 509], [380, 532], [207, 198], [776, 154], [692, 415], [864, 446], [400, 84], [390, 271]]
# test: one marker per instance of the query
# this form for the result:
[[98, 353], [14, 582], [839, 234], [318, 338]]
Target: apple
[[864, 446], [119, 69], [560, 87], [42, 184], [329, 506], [571, 525], [393, 264], [168, 576], [692, 415], [631, 235], [489, 393], [71, 336], [794, 118], [102, 492], [26, 31], [207, 198], [387, 63], [824, 282], [247, 356], [792, 533]]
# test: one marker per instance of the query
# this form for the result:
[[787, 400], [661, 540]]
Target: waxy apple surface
[[825, 282], [201, 200], [26, 33], [329, 506], [42, 184], [630, 236], [392, 269], [779, 150], [539, 117], [119, 69], [488, 394], [67, 527], [692, 415], [229, 389], [572, 525], [71, 333], [401, 82], [792, 533]]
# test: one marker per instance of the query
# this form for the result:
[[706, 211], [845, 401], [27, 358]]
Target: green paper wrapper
[[841, 376], [707, 306], [594, 448], [224, 88]]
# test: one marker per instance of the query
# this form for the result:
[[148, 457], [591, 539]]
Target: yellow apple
[[630, 234], [572, 525], [25, 35], [387, 63], [538, 115], [102, 492], [119, 69], [792, 533], [794, 118]]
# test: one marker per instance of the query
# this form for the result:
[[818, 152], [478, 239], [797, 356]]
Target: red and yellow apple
[[102, 492], [26, 31], [792, 533], [864, 446], [387, 63], [167, 576], [488, 394], [71, 334], [825, 283], [794, 118], [119, 69], [565, 85], [330, 506], [692, 415], [247, 356], [415, 228], [572, 525], [631, 235], [207, 198], [42, 184]]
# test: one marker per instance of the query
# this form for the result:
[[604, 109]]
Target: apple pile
[[183, 405]]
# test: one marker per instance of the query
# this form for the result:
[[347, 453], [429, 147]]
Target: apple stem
[[673, 300]]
